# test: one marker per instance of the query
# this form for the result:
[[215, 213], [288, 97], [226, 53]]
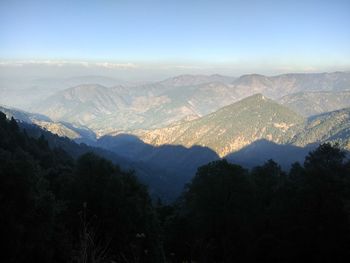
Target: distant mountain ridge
[[317, 102], [193, 80], [278, 86], [155, 105], [24, 92], [82, 103]]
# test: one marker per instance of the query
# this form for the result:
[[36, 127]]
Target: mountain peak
[[233, 127], [185, 80], [250, 76], [257, 96], [251, 102], [86, 87], [81, 104], [189, 80]]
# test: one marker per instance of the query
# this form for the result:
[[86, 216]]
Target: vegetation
[[58, 209], [316, 102], [331, 127], [233, 127], [228, 214]]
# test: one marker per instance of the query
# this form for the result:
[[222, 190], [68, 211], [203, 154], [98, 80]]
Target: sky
[[183, 35]]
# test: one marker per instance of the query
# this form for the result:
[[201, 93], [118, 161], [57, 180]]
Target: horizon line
[[215, 67]]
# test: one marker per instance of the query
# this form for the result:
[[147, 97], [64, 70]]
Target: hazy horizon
[[37, 69], [153, 40]]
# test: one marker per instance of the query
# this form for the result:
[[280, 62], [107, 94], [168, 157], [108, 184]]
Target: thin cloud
[[116, 65], [61, 63]]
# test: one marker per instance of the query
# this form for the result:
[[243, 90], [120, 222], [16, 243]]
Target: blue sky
[[267, 33]]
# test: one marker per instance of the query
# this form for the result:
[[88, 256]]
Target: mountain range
[[252, 119], [165, 130], [187, 97]]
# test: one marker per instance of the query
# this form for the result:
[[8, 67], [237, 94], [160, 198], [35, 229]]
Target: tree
[[217, 203], [118, 208], [42, 192]]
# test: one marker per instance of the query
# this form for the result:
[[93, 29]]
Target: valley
[[166, 130]]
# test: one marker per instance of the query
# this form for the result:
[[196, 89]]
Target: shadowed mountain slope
[[178, 163], [261, 151]]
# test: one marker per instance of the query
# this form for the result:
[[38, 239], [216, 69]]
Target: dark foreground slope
[[164, 170], [56, 209], [229, 214]]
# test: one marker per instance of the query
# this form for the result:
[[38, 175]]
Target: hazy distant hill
[[193, 80], [312, 103], [155, 105], [24, 92], [233, 127], [82, 104], [277, 86]]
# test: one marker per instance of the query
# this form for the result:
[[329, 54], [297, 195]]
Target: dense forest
[[56, 208]]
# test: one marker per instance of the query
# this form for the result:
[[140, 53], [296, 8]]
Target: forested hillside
[[316, 102], [58, 209], [230, 214], [232, 127]]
